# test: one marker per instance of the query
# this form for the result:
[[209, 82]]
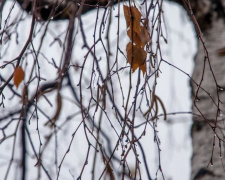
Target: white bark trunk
[[202, 133], [210, 15]]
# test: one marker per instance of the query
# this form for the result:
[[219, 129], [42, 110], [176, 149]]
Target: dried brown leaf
[[140, 32], [136, 56], [136, 15], [140, 37], [18, 76]]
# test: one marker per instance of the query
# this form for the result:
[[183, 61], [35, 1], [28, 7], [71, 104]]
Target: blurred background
[[173, 87]]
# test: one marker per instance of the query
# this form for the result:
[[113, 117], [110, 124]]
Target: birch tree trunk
[[208, 128], [204, 136], [206, 146]]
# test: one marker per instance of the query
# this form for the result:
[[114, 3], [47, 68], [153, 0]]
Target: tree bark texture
[[205, 137], [209, 126]]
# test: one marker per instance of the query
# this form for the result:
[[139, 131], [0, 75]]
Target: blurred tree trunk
[[211, 18], [206, 146], [208, 128]]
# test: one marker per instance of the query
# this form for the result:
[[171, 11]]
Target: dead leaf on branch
[[136, 15], [18, 76], [139, 37], [136, 56]]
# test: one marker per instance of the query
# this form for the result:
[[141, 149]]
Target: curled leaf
[[18, 76]]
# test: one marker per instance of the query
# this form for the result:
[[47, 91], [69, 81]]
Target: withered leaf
[[18, 76], [144, 35], [136, 15], [136, 56], [139, 37], [140, 32]]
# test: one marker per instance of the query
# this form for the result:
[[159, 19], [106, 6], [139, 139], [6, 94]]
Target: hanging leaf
[[144, 35], [136, 57], [140, 32], [136, 37], [136, 15], [18, 76], [139, 37]]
